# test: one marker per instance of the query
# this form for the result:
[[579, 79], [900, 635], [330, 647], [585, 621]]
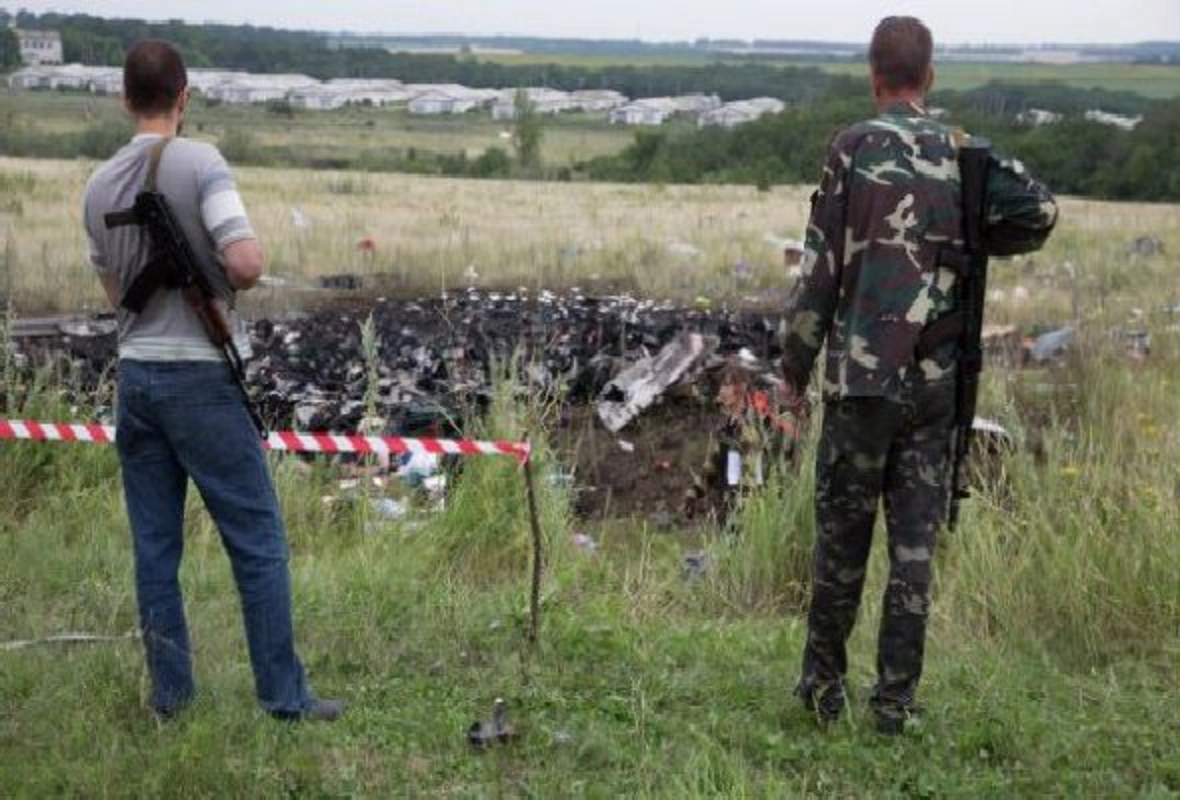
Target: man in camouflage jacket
[[888, 202]]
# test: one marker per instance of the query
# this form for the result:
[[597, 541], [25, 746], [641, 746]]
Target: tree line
[[1074, 155]]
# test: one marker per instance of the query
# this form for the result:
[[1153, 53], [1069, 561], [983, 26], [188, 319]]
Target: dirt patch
[[643, 470]]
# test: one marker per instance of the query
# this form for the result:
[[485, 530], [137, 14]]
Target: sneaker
[[317, 711], [826, 703]]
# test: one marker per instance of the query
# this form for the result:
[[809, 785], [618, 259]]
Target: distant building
[[598, 99], [341, 92], [642, 112], [740, 112], [447, 98], [436, 103], [1037, 116], [692, 104], [101, 80], [248, 88], [39, 47], [1117, 120], [544, 101]]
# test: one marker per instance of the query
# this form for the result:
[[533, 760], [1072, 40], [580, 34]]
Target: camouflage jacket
[[888, 201]]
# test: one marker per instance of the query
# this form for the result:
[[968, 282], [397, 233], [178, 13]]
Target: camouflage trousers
[[875, 449]]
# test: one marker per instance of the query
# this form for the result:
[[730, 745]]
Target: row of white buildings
[[418, 98], [1039, 116]]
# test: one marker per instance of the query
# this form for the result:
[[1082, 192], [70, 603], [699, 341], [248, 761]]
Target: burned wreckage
[[636, 381]]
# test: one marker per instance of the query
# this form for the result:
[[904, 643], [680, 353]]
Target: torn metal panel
[[1052, 345], [637, 387]]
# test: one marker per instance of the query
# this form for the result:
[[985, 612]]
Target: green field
[[351, 132]]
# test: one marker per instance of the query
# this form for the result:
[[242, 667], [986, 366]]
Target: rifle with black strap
[[974, 157], [172, 265]]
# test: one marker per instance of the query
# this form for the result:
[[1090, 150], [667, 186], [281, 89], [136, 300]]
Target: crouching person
[[751, 439]]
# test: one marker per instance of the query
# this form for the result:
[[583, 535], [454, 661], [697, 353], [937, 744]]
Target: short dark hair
[[900, 52], [735, 373], [153, 77]]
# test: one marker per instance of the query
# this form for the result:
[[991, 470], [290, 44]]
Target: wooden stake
[[535, 525]]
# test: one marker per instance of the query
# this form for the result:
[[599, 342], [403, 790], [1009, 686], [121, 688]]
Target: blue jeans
[[187, 419]]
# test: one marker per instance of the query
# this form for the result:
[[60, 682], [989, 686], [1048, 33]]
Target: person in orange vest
[[753, 436]]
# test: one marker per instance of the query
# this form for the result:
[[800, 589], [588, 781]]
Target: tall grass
[[1053, 639], [484, 532], [763, 565], [1055, 629]]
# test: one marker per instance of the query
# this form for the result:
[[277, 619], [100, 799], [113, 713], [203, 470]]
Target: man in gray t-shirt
[[201, 192], [180, 413]]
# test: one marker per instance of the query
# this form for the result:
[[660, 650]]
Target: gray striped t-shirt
[[200, 189]]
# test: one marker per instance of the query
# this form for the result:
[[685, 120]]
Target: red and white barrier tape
[[290, 441]]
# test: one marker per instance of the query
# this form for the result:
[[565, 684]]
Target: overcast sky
[[990, 21]]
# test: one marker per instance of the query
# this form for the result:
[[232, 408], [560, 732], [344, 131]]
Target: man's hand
[[789, 400], [244, 262]]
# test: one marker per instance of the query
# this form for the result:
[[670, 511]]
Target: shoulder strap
[[149, 183]]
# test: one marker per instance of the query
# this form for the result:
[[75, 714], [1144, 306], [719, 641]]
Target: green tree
[[9, 49], [527, 130]]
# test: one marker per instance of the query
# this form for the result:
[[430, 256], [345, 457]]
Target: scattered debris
[[271, 281], [638, 386], [1147, 247], [1053, 345], [416, 467], [614, 362], [1137, 344], [560, 478], [661, 520], [484, 734], [684, 249], [586, 543], [344, 282], [67, 638], [388, 508], [792, 249], [994, 436], [84, 328], [1002, 345], [695, 565]]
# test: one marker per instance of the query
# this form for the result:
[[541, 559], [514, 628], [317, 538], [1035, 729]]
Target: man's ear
[[182, 101], [929, 82]]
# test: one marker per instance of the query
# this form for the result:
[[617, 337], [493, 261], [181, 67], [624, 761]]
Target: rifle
[[971, 266], [173, 265]]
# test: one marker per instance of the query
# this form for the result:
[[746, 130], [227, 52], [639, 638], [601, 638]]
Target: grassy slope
[[325, 134], [641, 684], [1054, 646]]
